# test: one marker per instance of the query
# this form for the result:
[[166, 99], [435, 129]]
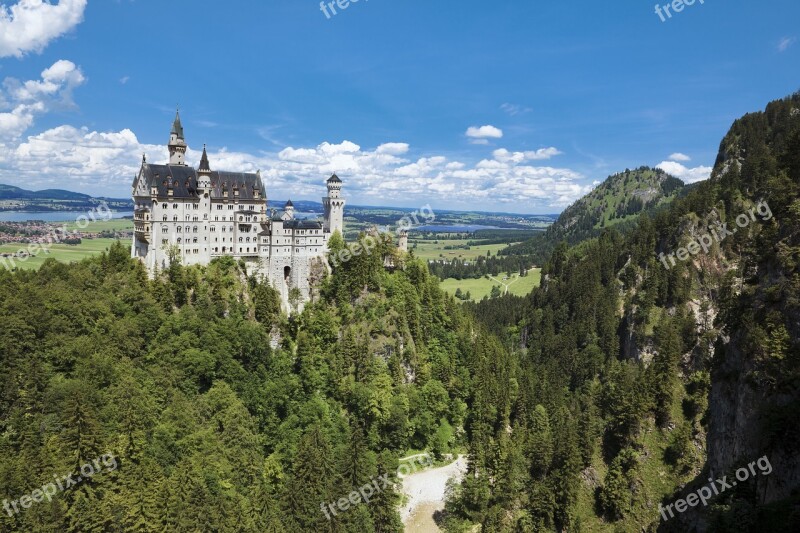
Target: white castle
[[202, 214]]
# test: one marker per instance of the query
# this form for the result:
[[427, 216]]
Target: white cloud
[[785, 43], [393, 148], [124, 79], [484, 132], [105, 163], [25, 100], [677, 156], [688, 175], [515, 109], [505, 156], [29, 25]]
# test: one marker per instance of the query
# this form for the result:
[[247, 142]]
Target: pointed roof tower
[[204, 165], [177, 127], [177, 143]]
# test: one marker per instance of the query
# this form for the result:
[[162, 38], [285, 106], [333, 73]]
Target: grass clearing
[[436, 249], [60, 252], [478, 288]]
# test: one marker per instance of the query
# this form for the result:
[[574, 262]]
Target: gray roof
[[302, 224], [177, 128], [183, 180], [334, 179]]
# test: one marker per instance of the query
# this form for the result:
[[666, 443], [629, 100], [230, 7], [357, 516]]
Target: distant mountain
[[618, 201], [17, 199], [9, 192]]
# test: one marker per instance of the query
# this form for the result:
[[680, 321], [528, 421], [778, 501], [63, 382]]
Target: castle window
[[165, 218], [164, 229], [241, 240], [174, 206], [179, 229], [164, 242], [179, 240], [194, 229], [175, 218], [219, 206], [224, 228], [187, 229], [194, 240]]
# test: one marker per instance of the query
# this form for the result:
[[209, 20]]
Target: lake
[[454, 228], [54, 216]]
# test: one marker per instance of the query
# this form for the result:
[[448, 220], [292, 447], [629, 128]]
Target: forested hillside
[[619, 386], [222, 414], [637, 382], [618, 202]]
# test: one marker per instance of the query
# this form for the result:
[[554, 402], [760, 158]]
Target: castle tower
[[177, 144], [334, 206], [403, 241], [204, 172], [289, 208]]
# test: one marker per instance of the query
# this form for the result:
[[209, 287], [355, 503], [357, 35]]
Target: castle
[[200, 214]]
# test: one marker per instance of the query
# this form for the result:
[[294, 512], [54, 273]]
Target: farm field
[[117, 224], [436, 249], [478, 288], [60, 252]]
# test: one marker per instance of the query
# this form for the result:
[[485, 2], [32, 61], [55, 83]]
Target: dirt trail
[[425, 495]]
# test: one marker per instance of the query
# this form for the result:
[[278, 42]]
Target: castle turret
[[334, 206], [403, 240], [204, 171], [177, 144], [289, 208]]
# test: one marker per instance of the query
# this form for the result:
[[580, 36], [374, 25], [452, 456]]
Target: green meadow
[[66, 253], [478, 288]]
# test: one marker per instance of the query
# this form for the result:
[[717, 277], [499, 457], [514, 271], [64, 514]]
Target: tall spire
[[177, 128], [177, 143], [204, 166]]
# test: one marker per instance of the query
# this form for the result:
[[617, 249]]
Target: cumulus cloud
[[505, 156], [677, 156], [105, 162], [484, 132], [688, 175], [29, 25], [23, 101], [78, 158]]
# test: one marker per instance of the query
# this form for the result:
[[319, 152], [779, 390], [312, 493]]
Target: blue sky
[[518, 106]]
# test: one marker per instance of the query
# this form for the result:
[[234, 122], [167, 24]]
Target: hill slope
[[618, 201], [638, 382]]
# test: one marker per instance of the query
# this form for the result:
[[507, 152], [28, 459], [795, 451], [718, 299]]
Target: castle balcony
[[143, 232]]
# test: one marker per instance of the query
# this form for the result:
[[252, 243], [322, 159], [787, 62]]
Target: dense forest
[[222, 413], [637, 383], [616, 387]]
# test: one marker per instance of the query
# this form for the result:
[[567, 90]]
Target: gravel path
[[425, 491]]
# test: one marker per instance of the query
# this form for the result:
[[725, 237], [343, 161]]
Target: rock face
[[738, 431]]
